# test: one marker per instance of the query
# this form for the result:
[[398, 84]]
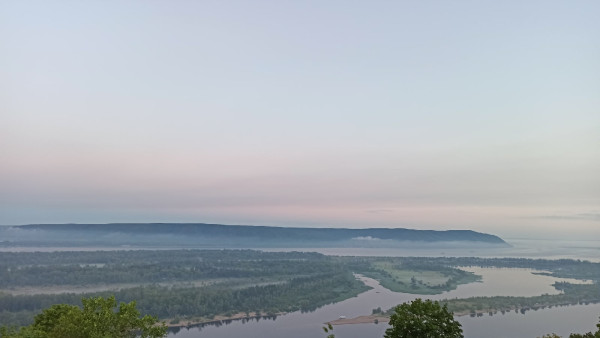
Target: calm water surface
[[496, 282], [520, 248]]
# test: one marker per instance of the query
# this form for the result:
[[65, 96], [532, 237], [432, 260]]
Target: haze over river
[[519, 248], [496, 282]]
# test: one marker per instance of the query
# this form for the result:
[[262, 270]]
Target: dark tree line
[[243, 280], [86, 268], [303, 293]]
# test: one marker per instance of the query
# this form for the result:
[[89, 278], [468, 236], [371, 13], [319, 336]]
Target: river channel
[[495, 282]]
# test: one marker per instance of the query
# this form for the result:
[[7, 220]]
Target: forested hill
[[255, 236]]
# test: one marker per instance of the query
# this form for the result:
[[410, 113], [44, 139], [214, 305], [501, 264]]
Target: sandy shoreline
[[386, 319], [360, 320]]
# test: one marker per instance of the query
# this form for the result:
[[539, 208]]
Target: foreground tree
[[99, 318], [587, 335], [329, 329], [577, 335], [423, 319]]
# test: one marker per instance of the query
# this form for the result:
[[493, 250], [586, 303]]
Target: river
[[496, 282], [519, 248]]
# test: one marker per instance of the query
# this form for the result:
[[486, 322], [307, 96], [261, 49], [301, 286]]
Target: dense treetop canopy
[[423, 319], [99, 318]]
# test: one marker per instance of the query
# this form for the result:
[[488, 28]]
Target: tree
[[329, 329], [423, 319], [99, 318], [577, 335], [587, 335]]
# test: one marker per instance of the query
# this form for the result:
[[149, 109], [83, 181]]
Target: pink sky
[[395, 115]]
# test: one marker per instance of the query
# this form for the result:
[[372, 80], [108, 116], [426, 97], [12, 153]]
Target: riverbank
[[361, 320], [494, 282], [182, 323], [476, 313]]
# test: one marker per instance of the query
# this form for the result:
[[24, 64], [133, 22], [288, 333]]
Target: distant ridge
[[255, 236]]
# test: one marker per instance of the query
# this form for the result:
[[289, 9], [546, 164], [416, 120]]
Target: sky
[[481, 115]]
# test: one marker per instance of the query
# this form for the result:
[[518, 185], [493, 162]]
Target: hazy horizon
[[425, 115], [517, 236]]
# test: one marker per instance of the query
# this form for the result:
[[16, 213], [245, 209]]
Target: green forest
[[572, 294], [198, 285], [233, 281]]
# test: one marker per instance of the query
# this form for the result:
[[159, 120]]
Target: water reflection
[[219, 323], [496, 282], [508, 282]]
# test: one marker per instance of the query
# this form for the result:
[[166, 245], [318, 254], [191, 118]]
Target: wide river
[[496, 282]]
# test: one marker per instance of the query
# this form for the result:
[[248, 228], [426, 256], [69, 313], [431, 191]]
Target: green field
[[397, 277]]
